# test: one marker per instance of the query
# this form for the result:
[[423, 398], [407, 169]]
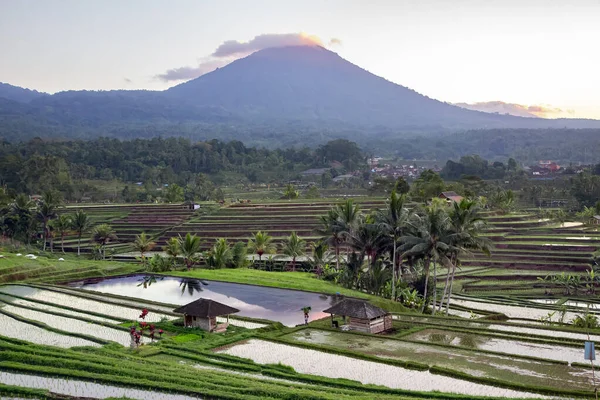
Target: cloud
[[520, 110], [186, 73], [335, 42], [231, 50]]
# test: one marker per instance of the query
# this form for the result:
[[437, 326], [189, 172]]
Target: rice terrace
[[103, 324], [315, 200]]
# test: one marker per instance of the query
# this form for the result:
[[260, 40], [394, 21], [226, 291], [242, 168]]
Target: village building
[[451, 197], [361, 316], [203, 314]]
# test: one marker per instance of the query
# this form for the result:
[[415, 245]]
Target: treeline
[[527, 146], [67, 166]]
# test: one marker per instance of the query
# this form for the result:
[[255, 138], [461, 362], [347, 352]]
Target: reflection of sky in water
[[274, 304]]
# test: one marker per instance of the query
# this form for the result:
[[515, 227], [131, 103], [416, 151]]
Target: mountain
[[290, 94], [18, 94]]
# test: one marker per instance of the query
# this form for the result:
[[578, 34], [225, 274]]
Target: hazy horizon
[[538, 55]]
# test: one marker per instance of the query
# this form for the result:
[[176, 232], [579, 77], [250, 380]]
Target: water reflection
[[273, 304]]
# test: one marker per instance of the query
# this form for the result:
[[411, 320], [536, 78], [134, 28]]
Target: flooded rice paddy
[[282, 305], [472, 362], [70, 387], [323, 364], [12, 328], [482, 342]]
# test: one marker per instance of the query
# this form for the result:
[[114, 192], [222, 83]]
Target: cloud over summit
[[231, 50]]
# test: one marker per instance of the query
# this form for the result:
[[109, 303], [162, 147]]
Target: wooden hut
[[362, 316], [203, 314]]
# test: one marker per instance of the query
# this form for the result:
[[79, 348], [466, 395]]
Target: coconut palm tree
[[320, 256], [190, 247], [102, 235], [47, 211], [428, 237], [19, 221], [143, 243], [349, 215], [369, 240], [393, 221], [261, 243], [81, 224], [220, 255], [62, 226], [293, 247], [332, 232], [172, 249], [466, 226]]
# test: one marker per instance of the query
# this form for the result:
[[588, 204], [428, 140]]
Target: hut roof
[[205, 308], [356, 309]]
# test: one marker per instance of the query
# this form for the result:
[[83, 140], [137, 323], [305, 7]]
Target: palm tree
[[261, 243], [46, 212], [143, 244], [320, 256], [220, 255], [81, 224], [349, 215], [102, 235], [333, 232], [428, 238], [190, 247], [467, 224], [20, 220], [393, 222], [294, 247], [172, 249], [369, 241], [62, 226]]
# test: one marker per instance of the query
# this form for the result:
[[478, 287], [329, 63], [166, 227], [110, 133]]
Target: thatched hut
[[203, 314], [362, 316]]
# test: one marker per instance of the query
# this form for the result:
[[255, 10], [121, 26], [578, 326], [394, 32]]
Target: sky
[[541, 55]]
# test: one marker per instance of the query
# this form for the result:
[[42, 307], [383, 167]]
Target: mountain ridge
[[295, 88]]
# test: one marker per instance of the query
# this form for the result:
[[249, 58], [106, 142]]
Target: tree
[[393, 222], [62, 225], [261, 243], [172, 249], [46, 212], [102, 235], [240, 255], [466, 227], [320, 256], [290, 192], [220, 256], [349, 215], [312, 193], [189, 247], [174, 193], [143, 243], [428, 238], [428, 185], [19, 221], [81, 224], [402, 186], [293, 247], [332, 232]]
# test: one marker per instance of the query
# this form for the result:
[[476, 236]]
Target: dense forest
[[39, 165]]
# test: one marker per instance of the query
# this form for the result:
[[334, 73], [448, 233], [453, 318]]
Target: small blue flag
[[590, 352]]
